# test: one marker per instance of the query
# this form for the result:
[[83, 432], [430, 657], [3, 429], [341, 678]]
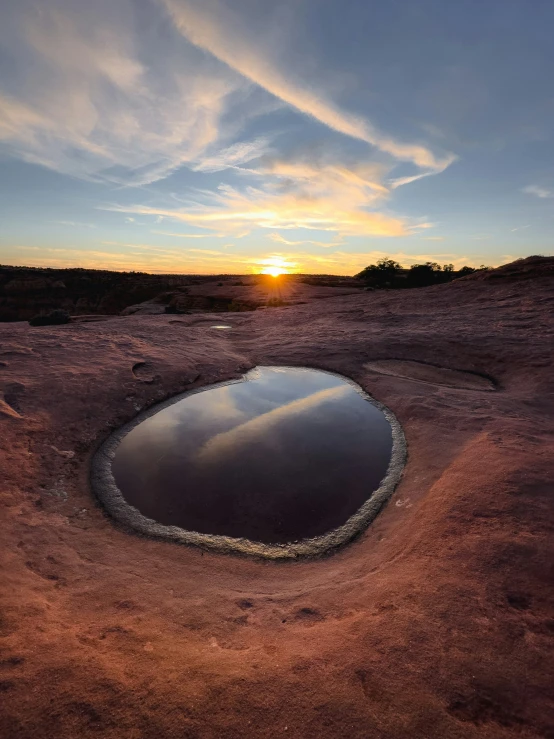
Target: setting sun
[[275, 265]]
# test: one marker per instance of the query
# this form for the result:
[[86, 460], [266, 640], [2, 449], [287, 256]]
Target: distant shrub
[[382, 274], [276, 303], [53, 318], [423, 275], [389, 274]]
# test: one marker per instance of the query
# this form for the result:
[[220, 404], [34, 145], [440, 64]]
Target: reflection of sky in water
[[229, 442], [283, 434]]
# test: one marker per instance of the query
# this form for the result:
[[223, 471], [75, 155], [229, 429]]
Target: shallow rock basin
[[286, 455]]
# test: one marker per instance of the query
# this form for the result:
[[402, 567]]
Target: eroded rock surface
[[436, 623]]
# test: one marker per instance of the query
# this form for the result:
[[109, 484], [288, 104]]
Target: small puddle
[[221, 326], [273, 463]]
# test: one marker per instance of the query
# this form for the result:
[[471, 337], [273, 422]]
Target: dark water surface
[[285, 455]]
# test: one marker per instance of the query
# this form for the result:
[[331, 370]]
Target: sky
[[237, 136]]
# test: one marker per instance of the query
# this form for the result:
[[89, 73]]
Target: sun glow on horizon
[[276, 266]]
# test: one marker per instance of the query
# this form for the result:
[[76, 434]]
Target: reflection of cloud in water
[[165, 428], [227, 441], [223, 417], [219, 404], [210, 406]]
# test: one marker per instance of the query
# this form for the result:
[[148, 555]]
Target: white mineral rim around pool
[[106, 490]]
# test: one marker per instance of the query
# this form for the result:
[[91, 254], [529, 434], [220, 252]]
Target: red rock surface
[[436, 623]]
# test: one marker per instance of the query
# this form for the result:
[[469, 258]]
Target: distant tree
[[388, 273], [381, 274], [445, 273], [422, 275]]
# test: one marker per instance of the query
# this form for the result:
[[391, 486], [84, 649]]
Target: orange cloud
[[296, 195], [283, 213]]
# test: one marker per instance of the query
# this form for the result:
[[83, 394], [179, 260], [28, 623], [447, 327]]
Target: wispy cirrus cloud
[[186, 236], [214, 28], [282, 240], [326, 196], [540, 192], [234, 157], [105, 96], [206, 252], [76, 224], [89, 106], [520, 228], [258, 209], [400, 181]]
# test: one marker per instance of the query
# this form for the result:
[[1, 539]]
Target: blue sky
[[316, 135]]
